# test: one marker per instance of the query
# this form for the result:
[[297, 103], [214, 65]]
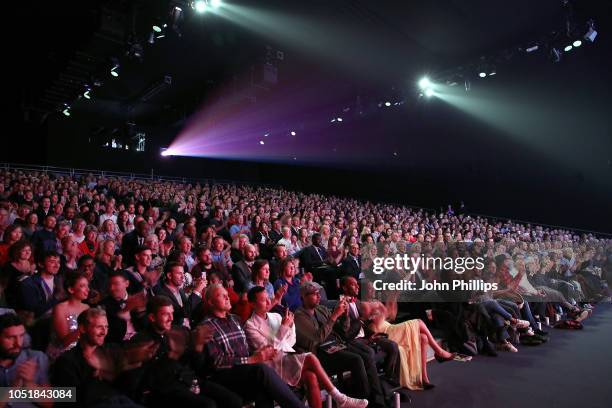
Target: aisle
[[574, 369]]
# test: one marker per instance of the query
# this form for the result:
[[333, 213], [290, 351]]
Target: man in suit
[[183, 305], [241, 270], [313, 256], [133, 240], [351, 265], [276, 234], [44, 209], [359, 337]]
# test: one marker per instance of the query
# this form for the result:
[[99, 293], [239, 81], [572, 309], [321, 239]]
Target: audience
[[128, 355]]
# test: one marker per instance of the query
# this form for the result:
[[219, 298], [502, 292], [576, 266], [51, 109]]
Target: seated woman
[[64, 327], [412, 337], [265, 329], [21, 266], [260, 276]]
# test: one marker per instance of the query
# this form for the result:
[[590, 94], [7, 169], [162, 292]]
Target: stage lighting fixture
[[424, 83], [115, 68], [66, 110], [261, 142], [164, 151], [339, 119], [86, 94], [387, 103], [567, 48], [577, 43], [555, 54], [493, 72], [293, 133], [482, 74], [532, 48], [591, 34], [200, 6], [333, 120], [157, 28], [429, 92]]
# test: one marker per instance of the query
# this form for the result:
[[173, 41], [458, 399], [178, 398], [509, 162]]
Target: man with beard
[[20, 367]]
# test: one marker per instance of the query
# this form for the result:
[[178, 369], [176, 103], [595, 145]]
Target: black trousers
[[258, 383], [211, 395]]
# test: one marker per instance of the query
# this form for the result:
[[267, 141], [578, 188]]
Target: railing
[[146, 177], [132, 176]]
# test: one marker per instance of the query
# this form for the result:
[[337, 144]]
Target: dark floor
[[574, 369]]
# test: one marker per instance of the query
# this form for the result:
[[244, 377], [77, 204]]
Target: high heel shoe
[[428, 386], [444, 360]]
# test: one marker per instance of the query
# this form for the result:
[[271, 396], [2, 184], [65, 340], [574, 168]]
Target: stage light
[[387, 103], [493, 72], [567, 48], [577, 43], [555, 54], [293, 133], [157, 28], [591, 34], [333, 120], [339, 119], [482, 74], [424, 83], [66, 110], [429, 92], [115, 68], [86, 94], [532, 48], [200, 6], [165, 152], [261, 142]]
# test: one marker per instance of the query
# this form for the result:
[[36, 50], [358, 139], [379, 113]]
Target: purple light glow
[[293, 124]]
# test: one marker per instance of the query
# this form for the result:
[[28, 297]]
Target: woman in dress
[[265, 329], [412, 337], [64, 327]]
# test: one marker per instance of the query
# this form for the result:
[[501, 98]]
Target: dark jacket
[[241, 273], [32, 296], [190, 304], [311, 331]]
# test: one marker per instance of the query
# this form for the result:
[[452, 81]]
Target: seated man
[[125, 313], [39, 293], [314, 327], [91, 366], [171, 288], [234, 367], [359, 337], [21, 367], [168, 378], [242, 270]]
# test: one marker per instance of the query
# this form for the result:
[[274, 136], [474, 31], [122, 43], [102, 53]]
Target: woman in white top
[[265, 329]]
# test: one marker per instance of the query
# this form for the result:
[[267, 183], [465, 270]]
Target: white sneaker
[[347, 402]]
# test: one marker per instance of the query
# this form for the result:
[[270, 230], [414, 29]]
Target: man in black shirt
[[167, 378], [90, 366]]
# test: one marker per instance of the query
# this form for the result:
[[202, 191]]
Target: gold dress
[[408, 339]]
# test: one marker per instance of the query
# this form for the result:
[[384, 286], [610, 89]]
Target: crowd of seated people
[[147, 293]]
